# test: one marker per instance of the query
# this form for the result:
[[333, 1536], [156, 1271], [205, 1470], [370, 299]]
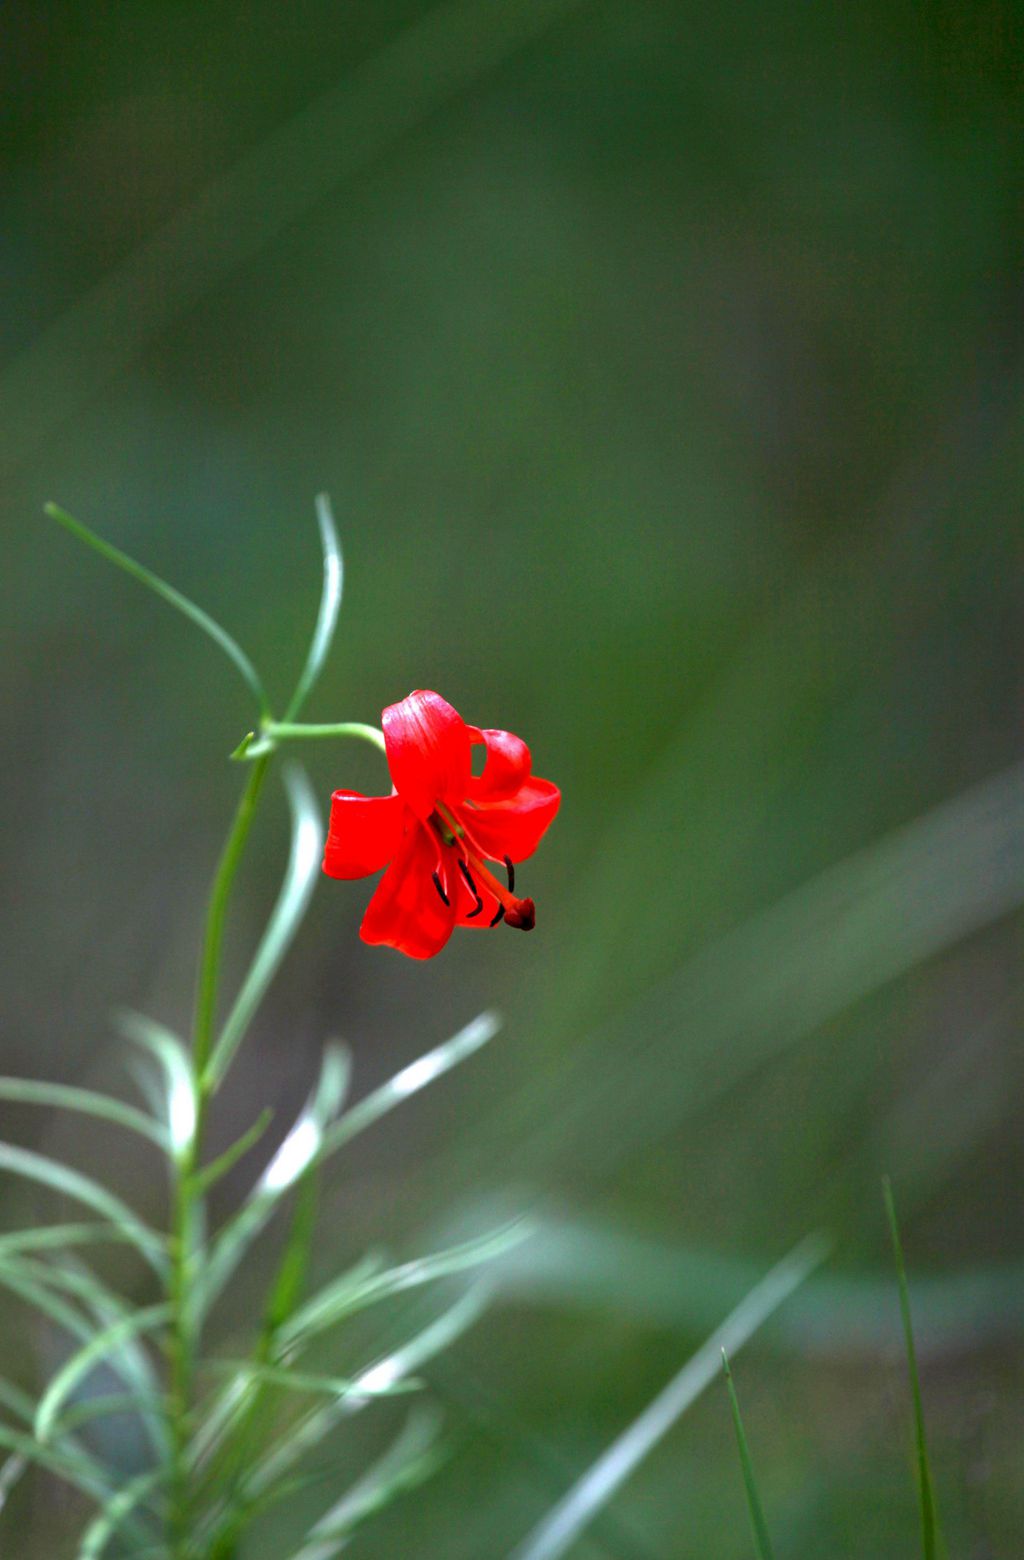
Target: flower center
[[520, 913]]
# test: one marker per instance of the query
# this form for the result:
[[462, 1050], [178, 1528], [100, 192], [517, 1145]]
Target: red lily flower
[[438, 827]]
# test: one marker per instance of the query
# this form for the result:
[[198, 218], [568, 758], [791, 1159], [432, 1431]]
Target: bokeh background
[[664, 365]]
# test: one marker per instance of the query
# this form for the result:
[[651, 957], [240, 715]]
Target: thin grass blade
[[565, 1523], [411, 1459], [295, 1155], [174, 598], [116, 1511], [340, 1299], [293, 901], [330, 605], [410, 1080], [926, 1489], [16, 1242], [81, 1188], [219, 1167], [762, 1539], [181, 1100], [60, 1096], [103, 1344]]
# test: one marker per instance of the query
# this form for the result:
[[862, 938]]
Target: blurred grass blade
[[32, 1091], [10, 1473], [167, 593], [115, 1512], [81, 1188], [182, 1095], [384, 1376], [413, 1457], [410, 1080], [59, 1235], [98, 1348], [762, 1541], [340, 1298], [293, 901], [108, 1404], [290, 1162], [297, 1380], [926, 1489], [330, 604], [560, 1529], [69, 1463], [22, 1280], [17, 1400], [219, 1167]]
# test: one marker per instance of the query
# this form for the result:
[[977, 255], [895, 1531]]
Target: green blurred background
[[665, 367]]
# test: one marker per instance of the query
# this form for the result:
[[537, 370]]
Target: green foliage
[[925, 1485], [759, 1527]]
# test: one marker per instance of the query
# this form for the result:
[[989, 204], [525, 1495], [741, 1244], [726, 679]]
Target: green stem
[[187, 1191], [287, 731]]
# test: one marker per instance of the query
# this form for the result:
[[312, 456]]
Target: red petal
[[513, 828], [506, 769], [363, 835], [407, 912], [428, 751]]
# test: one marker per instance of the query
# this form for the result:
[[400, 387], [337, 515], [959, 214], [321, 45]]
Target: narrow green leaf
[[82, 1362], [410, 1080], [292, 1159], [330, 604], [23, 1279], [34, 1091], [412, 1458], [926, 1489], [384, 1376], [340, 1298], [556, 1533], [762, 1541], [115, 1512], [167, 593], [108, 1404], [67, 1462], [59, 1235], [17, 1400], [81, 1188], [220, 1166], [10, 1473], [304, 1382], [293, 900], [182, 1093]]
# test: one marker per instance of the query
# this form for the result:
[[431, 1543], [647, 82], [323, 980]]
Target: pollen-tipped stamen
[[440, 889], [472, 889]]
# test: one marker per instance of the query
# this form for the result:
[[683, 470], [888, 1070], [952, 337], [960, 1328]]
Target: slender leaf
[[292, 1159], [762, 1540], [23, 1279], [60, 1235], [115, 1512], [10, 1473], [220, 1166], [81, 1188], [67, 1462], [340, 1298], [410, 1080], [173, 597], [182, 1094], [565, 1523], [381, 1377], [412, 1458], [330, 604], [303, 1381], [34, 1091], [293, 900], [926, 1489], [17, 1400], [106, 1405], [82, 1362]]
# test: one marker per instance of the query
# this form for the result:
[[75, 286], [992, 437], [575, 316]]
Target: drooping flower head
[[439, 827]]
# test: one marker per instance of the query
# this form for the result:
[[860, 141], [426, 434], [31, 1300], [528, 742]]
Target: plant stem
[[186, 1189], [287, 731]]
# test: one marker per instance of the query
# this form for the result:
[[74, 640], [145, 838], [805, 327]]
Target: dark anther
[[472, 889], [510, 869], [440, 890], [499, 915]]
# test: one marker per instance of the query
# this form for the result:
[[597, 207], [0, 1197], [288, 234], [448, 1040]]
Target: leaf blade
[[60, 1096], [169, 594], [292, 902], [926, 1489], [762, 1539], [330, 606]]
